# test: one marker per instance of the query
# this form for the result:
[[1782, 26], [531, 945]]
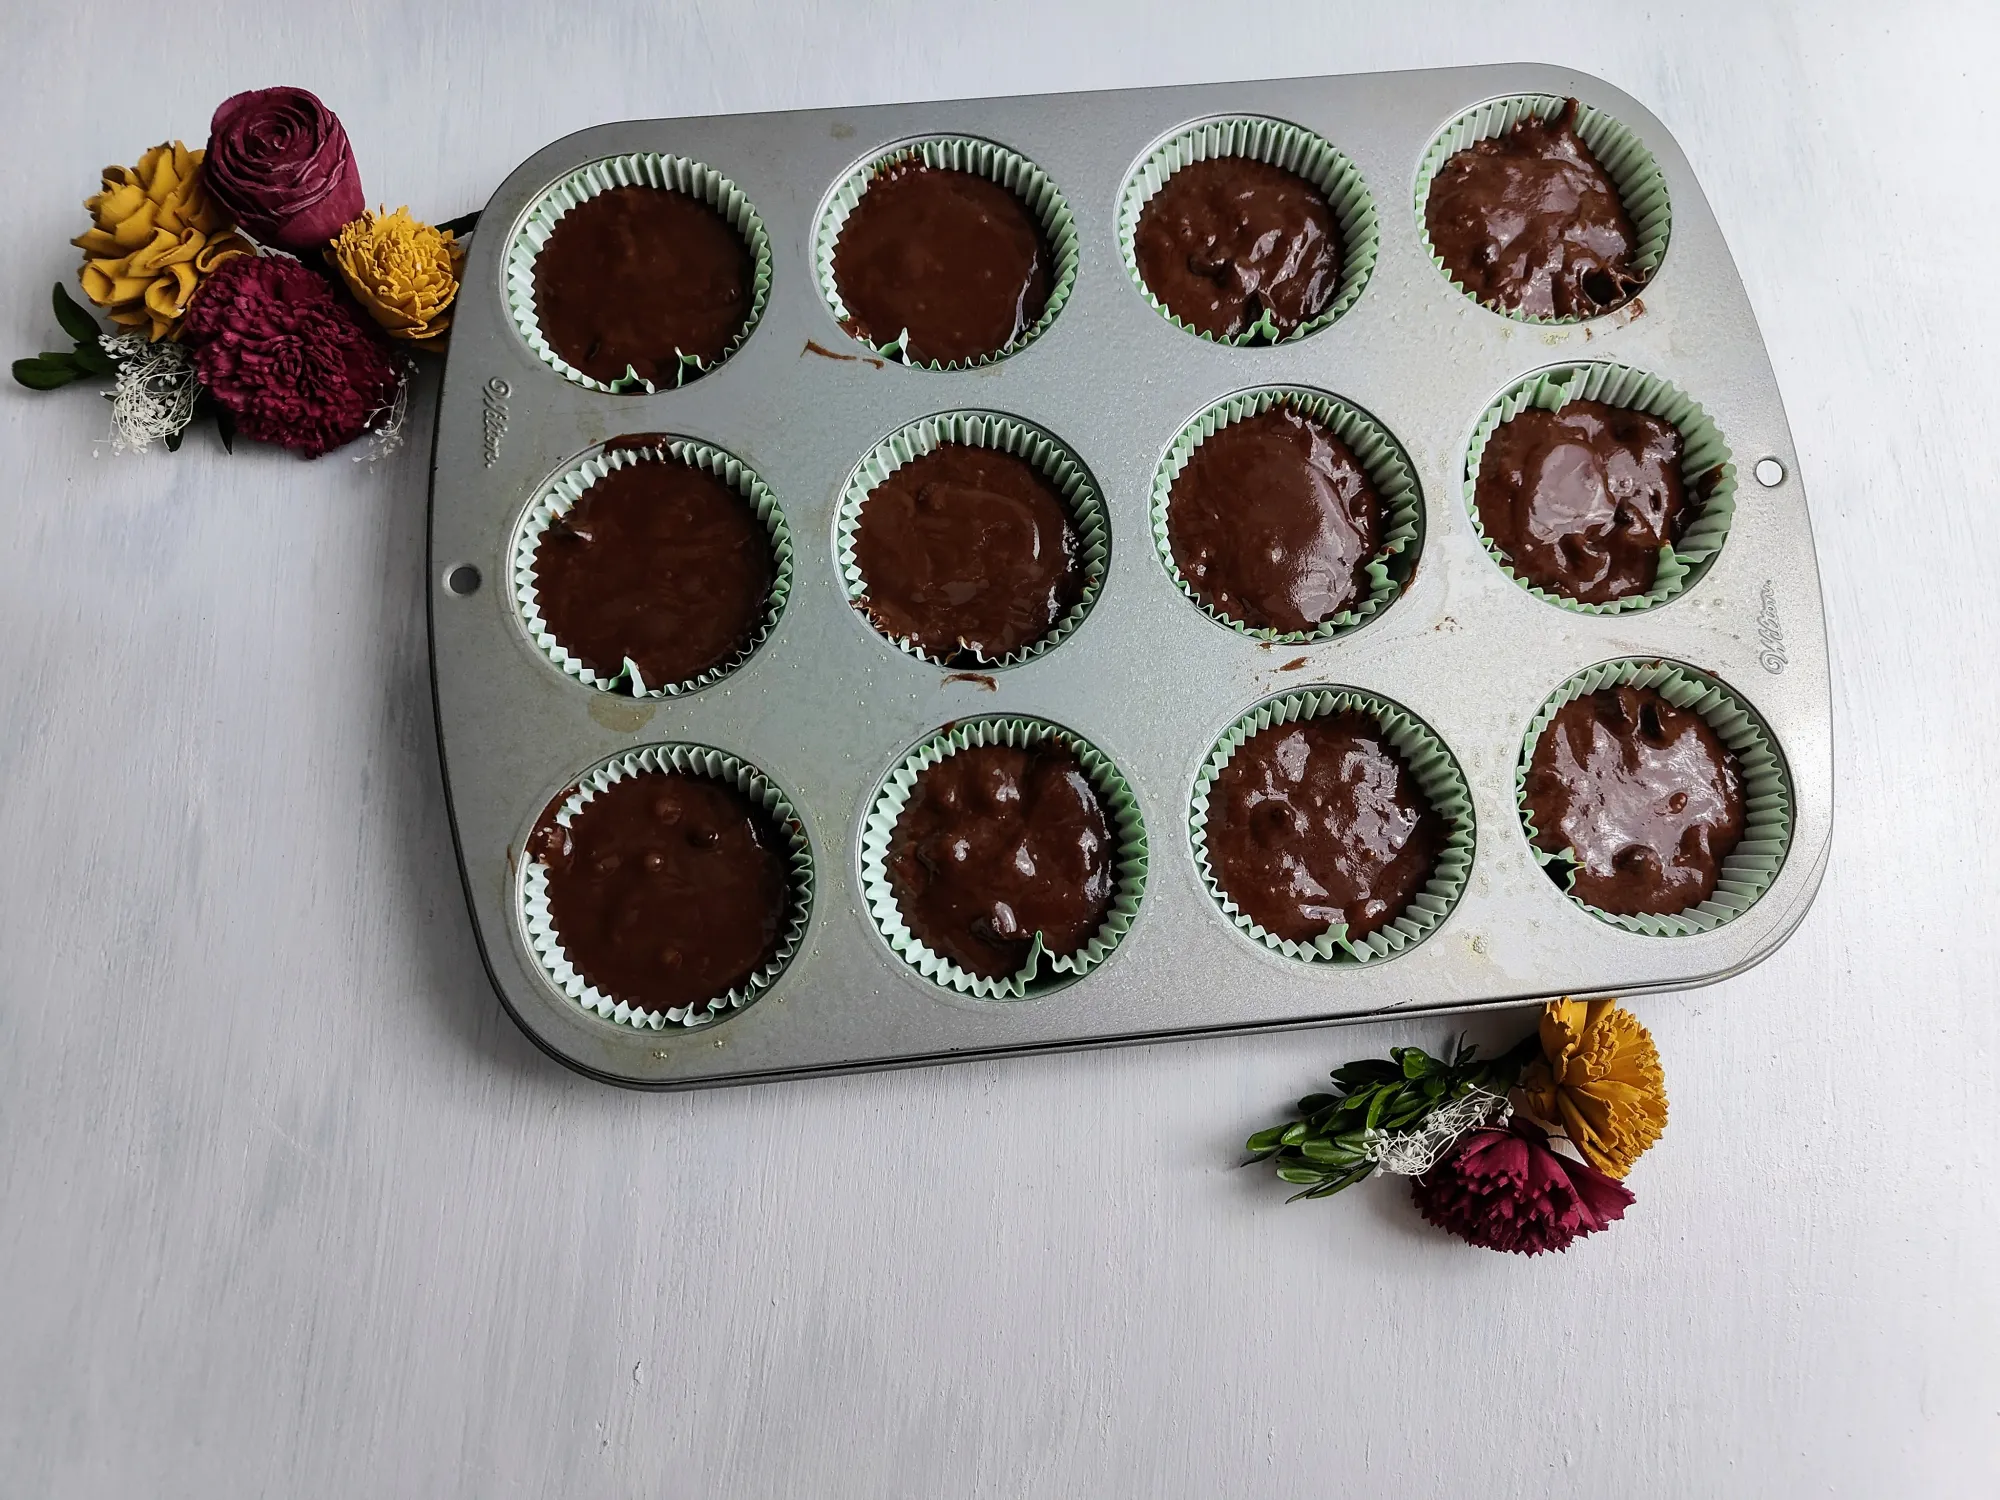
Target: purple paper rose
[[279, 161], [286, 355]]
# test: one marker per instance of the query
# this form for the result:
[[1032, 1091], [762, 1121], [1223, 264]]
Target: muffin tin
[[827, 710]]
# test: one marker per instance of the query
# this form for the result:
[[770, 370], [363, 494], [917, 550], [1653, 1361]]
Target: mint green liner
[[1642, 187], [563, 492], [982, 429], [1767, 792], [1436, 773], [1012, 171], [687, 760], [1708, 476], [1290, 148], [1042, 971], [1380, 456], [640, 169]]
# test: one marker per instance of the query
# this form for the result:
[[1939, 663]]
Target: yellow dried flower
[[157, 234], [1601, 1082], [402, 270]]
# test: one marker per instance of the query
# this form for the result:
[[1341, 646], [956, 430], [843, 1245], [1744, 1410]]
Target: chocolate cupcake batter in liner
[[1427, 764], [778, 821], [1065, 475], [1765, 788], [561, 494], [1290, 149], [1389, 471], [1027, 182], [1708, 476], [1642, 188], [642, 170], [1041, 971]]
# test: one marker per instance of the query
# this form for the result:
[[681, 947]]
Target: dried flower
[[279, 160], [287, 356], [1601, 1082], [1506, 1190], [401, 270], [157, 233]]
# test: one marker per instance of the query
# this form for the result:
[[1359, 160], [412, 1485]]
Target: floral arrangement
[[248, 282], [1526, 1151]]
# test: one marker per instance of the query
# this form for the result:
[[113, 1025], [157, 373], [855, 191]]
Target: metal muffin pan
[[825, 707]]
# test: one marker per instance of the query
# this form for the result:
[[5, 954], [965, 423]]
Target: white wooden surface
[[288, 1208]]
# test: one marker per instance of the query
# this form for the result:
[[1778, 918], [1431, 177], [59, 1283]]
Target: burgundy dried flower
[[279, 161], [286, 355], [1506, 1190]]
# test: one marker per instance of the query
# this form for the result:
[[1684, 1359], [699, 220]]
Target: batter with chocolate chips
[[951, 258], [637, 277], [658, 562], [1642, 793], [969, 552], [1581, 500], [995, 845], [1320, 822], [1230, 240], [1530, 222], [1273, 522], [665, 890]]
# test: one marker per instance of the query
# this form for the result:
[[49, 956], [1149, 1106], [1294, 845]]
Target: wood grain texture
[[288, 1208]]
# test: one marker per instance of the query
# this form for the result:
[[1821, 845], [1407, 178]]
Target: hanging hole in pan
[[1770, 473], [462, 580]]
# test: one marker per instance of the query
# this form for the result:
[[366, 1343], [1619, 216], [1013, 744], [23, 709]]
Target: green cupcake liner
[[688, 760], [1642, 187], [561, 493], [1381, 457], [1042, 971], [1767, 792], [640, 169], [1290, 148], [1437, 774], [1706, 471], [982, 429], [1012, 171]]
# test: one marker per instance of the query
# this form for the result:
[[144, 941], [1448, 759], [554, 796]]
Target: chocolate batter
[[1581, 500], [953, 258], [998, 844], [1227, 240], [665, 890], [659, 562], [1273, 522], [969, 552], [1320, 822], [638, 277], [1528, 221], [1644, 795]]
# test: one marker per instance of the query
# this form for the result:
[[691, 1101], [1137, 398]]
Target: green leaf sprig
[[1331, 1145], [48, 372]]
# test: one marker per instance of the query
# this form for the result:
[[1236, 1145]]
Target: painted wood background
[[288, 1208]]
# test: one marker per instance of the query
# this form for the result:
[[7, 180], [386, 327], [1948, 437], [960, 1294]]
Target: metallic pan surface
[[825, 707]]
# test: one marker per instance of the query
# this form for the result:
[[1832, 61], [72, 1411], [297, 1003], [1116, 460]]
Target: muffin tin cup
[[1707, 471], [955, 153], [567, 488], [1380, 456], [637, 169], [982, 429], [1642, 187], [1290, 148], [1767, 792], [1437, 775], [1043, 970], [687, 760]]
